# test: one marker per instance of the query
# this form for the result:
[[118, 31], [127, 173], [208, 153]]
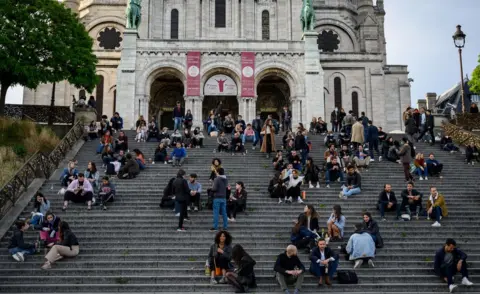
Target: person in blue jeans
[[219, 189], [354, 183], [178, 115], [17, 246], [323, 262]]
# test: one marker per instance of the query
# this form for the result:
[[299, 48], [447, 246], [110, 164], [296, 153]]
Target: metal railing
[[37, 166]]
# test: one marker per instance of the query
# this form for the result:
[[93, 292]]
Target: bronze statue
[[307, 17], [134, 14]]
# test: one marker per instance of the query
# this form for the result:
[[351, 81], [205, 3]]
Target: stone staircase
[[133, 246]]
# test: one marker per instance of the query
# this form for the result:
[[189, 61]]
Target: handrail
[[38, 165]]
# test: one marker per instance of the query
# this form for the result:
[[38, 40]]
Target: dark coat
[[17, 241], [69, 239], [372, 228], [315, 254], [284, 263], [335, 116], [131, 166], [178, 112], [245, 271], [354, 180], [429, 122], [181, 189], [313, 223], [300, 142], [382, 198], [440, 256], [410, 126], [372, 133], [289, 114]]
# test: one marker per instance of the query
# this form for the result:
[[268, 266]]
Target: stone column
[[295, 111], [249, 113], [242, 106], [431, 100], [313, 102], [198, 116], [126, 79], [253, 108]]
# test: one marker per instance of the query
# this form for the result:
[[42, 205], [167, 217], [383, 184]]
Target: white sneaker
[[289, 199], [466, 282], [299, 200], [327, 186], [358, 263], [318, 186], [379, 158], [188, 208], [280, 201], [371, 159], [232, 219], [472, 162], [436, 224], [195, 208], [340, 195], [370, 263], [426, 178], [18, 257], [164, 162], [253, 148], [421, 179], [153, 162], [177, 215], [452, 288], [310, 186]]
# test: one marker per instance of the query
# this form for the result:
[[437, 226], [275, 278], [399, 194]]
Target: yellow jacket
[[440, 201]]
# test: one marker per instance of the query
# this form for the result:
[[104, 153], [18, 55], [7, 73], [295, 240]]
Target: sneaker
[[452, 288], [344, 197], [310, 186], [232, 219], [327, 186], [472, 162], [177, 214], [379, 158], [318, 186], [384, 219], [213, 281], [358, 263], [370, 263], [213, 230], [17, 257], [340, 195], [372, 159], [289, 199], [195, 208], [164, 162], [253, 148], [436, 224], [426, 178], [181, 230], [466, 282], [188, 208], [153, 162], [222, 281], [104, 207], [421, 179], [46, 265], [280, 201], [299, 200]]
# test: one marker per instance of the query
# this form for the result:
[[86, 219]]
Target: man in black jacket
[[289, 270], [17, 246], [335, 120], [411, 199], [182, 195], [257, 125], [286, 119], [448, 261], [429, 125], [324, 262], [388, 202]]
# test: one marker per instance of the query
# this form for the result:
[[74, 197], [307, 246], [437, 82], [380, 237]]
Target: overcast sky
[[419, 34]]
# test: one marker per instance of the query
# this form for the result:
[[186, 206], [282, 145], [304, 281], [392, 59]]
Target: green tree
[[474, 82], [42, 41]]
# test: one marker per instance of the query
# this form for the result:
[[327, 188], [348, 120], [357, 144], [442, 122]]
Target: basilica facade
[[250, 54]]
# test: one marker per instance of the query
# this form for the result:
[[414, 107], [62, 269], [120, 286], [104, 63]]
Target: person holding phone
[[79, 191]]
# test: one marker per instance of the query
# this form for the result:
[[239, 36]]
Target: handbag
[[347, 277]]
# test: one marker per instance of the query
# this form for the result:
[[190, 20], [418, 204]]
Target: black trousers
[[195, 200], [425, 130], [183, 213]]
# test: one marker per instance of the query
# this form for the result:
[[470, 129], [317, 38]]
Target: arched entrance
[[220, 88], [273, 93], [165, 91]]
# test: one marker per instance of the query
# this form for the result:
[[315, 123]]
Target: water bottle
[[323, 233]]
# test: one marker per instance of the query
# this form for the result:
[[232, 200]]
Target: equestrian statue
[[134, 14], [307, 17]]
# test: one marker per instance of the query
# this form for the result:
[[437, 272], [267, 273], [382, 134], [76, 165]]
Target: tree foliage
[[43, 41], [474, 82]]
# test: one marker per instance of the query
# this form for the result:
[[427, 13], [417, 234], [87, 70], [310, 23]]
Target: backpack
[[347, 277], [110, 169]]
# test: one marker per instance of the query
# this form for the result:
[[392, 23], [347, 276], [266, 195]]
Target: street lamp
[[459, 41]]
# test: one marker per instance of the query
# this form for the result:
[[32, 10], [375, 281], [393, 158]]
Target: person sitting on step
[[290, 146], [107, 156], [79, 191], [140, 158], [223, 143], [17, 246], [216, 165], [323, 262], [313, 126], [49, 229], [161, 154], [236, 144], [178, 155], [106, 140], [289, 270], [67, 247], [287, 138], [388, 202], [295, 160], [176, 138], [197, 138], [120, 157], [237, 201], [311, 173], [278, 162], [448, 261], [434, 166], [360, 247], [40, 209], [333, 172], [106, 192], [361, 158], [195, 192], [312, 218], [330, 153], [321, 126], [243, 277], [385, 147], [330, 139], [471, 153], [436, 207], [69, 174], [141, 132], [421, 168], [343, 138], [393, 152], [249, 135], [168, 197], [219, 257], [336, 224], [130, 170], [121, 143], [104, 126], [187, 138], [345, 157], [92, 131], [240, 125], [152, 131], [294, 182], [412, 200], [354, 183], [117, 122], [164, 137], [302, 237], [446, 143], [92, 174], [371, 226], [277, 188]]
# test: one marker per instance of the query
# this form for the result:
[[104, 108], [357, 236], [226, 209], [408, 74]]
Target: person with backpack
[[244, 276], [182, 196]]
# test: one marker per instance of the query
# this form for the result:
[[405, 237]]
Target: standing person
[[220, 255], [348, 121], [219, 189], [448, 261], [182, 196], [358, 136], [405, 159], [17, 246], [372, 140], [178, 115], [323, 262], [428, 127], [195, 191], [79, 191], [335, 119], [188, 120], [365, 125], [244, 277], [289, 270], [286, 119], [257, 125], [67, 247], [410, 128], [268, 133]]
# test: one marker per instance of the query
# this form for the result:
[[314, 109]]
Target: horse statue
[[307, 17], [134, 14]]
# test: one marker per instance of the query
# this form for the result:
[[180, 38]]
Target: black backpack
[[347, 277], [110, 169]]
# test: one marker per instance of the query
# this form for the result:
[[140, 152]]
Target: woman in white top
[[336, 223]]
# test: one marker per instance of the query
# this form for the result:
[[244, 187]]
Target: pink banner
[[248, 74], [193, 73]]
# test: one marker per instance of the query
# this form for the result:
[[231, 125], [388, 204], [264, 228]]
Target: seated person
[[446, 143], [121, 143], [434, 167], [286, 138], [289, 270], [228, 124], [471, 153], [130, 170], [153, 132], [243, 277], [106, 140], [49, 229], [336, 223], [321, 126], [360, 247], [295, 160], [216, 165], [343, 139], [195, 192], [67, 247], [311, 173], [294, 182], [141, 132], [107, 156], [333, 172], [197, 138], [92, 174], [323, 262], [385, 147], [388, 202], [187, 138], [92, 131], [313, 126], [69, 174], [361, 158], [240, 122], [17, 246], [411, 200], [436, 207], [79, 191], [106, 192], [354, 183], [164, 137], [140, 158], [330, 139], [237, 201], [330, 153], [249, 135], [176, 138], [236, 144], [421, 168], [223, 143], [290, 146], [120, 157], [278, 162], [393, 152], [219, 256], [277, 188], [40, 209], [161, 154], [178, 155], [104, 126], [370, 226], [211, 126], [168, 198], [448, 261], [345, 157]]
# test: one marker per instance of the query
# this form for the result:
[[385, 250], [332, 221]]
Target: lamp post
[[459, 41]]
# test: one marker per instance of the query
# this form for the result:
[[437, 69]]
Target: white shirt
[[424, 119]]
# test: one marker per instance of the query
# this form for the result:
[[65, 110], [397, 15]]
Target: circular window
[[328, 41], [109, 38]]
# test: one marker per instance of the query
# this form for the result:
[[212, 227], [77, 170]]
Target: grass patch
[[125, 252], [191, 259], [322, 205], [250, 209], [403, 234], [121, 280], [428, 259]]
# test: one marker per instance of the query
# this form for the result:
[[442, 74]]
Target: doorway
[[273, 94], [229, 105], [165, 91]]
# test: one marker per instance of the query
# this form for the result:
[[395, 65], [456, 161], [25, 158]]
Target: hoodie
[[220, 187]]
